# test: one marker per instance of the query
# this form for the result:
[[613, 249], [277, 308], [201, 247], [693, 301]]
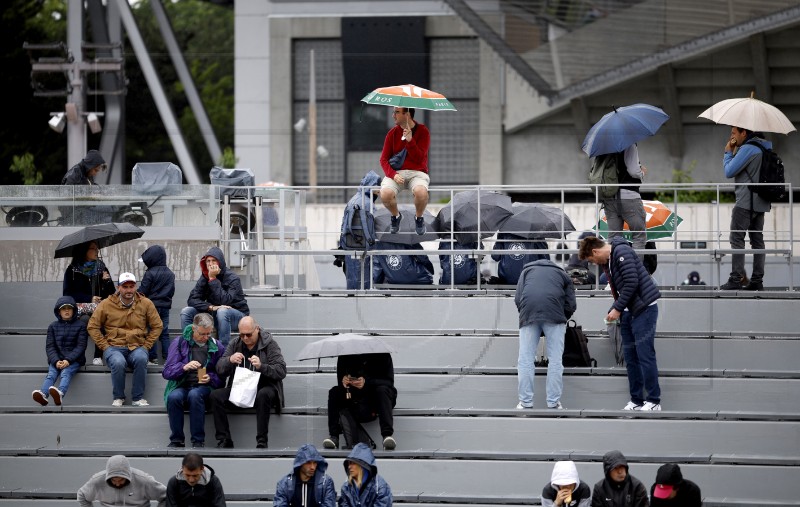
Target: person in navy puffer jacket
[[635, 307], [66, 349], [158, 284], [307, 481], [364, 487]]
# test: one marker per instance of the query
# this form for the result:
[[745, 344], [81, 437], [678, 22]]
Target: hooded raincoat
[[609, 493], [140, 489], [565, 473], [324, 489], [158, 282], [226, 289], [66, 339], [374, 491]]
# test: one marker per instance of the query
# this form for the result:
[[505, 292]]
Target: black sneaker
[[729, 285], [754, 286], [198, 445], [419, 225], [176, 444], [225, 444], [395, 227], [262, 444], [331, 443]]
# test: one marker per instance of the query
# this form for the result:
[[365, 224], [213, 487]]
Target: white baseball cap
[[126, 277]]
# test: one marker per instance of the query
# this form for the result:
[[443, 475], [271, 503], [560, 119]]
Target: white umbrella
[[344, 345], [749, 113]]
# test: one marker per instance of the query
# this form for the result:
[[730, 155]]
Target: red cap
[[662, 491]]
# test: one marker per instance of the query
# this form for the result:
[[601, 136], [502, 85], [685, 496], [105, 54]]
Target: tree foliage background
[[204, 31]]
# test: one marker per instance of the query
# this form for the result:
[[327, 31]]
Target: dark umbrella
[[102, 234], [406, 235], [461, 215], [537, 221], [623, 127]]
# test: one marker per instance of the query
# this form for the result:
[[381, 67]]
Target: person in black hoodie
[[219, 292], [671, 488], [195, 485], [83, 173], [158, 284], [618, 488]]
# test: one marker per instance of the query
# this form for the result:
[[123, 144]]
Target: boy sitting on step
[[66, 350]]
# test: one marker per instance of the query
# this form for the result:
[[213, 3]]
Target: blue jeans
[[119, 358], [225, 319], [554, 345], [638, 347], [66, 377], [163, 338], [196, 398]]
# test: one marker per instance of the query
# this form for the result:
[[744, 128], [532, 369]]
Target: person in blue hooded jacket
[[511, 265], [158, 284], [307, 485], [401, 269], [66, 349], [363, 487], [219, 292]]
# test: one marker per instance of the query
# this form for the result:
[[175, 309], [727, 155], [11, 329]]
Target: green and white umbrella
[[661, 222], [408, 96]]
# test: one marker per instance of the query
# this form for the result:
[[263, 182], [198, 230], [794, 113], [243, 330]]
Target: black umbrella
[[537, 221], [102, 234], [461, 215], [406, 235]]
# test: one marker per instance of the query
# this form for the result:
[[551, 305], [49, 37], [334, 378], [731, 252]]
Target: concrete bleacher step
[[512, 437], [480, 392], [421, 481], [485, 351]]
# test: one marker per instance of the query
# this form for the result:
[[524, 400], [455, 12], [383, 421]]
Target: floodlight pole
[[312, 130]]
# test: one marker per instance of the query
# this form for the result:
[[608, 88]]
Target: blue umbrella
[[623, 127]]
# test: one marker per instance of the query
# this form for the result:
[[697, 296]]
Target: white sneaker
[[56, 394], [140, 403], [632, 406], [97, 361], [118, 402], [651, 407], [39, 397], [520, 406], [558, 406]]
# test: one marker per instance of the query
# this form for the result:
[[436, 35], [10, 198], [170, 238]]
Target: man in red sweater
[[412, 172]]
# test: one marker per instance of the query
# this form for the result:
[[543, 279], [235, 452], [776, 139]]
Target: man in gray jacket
[[120, 484], [545, 299]]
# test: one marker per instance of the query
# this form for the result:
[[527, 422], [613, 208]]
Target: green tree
[[24, 165], [684, 196], [228, 160]]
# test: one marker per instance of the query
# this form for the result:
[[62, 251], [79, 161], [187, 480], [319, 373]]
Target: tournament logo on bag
[[516, 247], [395, 262], [459, 261]]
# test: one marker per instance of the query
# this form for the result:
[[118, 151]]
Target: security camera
[[322, 151], [300, 125]]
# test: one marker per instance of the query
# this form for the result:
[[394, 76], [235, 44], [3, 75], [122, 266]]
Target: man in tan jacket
[[131, 325]]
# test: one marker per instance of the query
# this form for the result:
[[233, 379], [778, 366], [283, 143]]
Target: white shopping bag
[[245, 385]]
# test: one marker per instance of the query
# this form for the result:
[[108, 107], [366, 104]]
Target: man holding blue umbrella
[[612, 142]]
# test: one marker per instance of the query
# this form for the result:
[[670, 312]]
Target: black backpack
[[771, 171], [576, 347]]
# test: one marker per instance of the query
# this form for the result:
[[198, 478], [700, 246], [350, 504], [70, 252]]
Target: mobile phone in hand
[[201, 372]]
